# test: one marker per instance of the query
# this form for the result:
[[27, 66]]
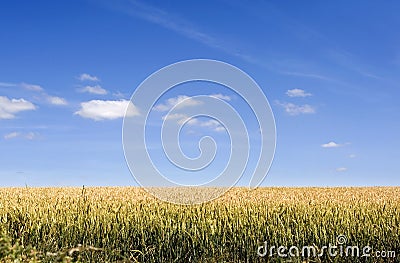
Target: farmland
[[125, 224]]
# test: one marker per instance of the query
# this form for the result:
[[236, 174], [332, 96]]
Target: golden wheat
[[128, 225]]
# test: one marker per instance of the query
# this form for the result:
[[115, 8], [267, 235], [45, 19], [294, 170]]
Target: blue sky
[[331, 72]]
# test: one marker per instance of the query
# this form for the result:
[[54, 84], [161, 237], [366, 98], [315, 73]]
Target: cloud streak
[[179, 25], [168, 21], [31, 87], [6, 84], [221, 96], [26, 86], [306, 75], [14, 135]]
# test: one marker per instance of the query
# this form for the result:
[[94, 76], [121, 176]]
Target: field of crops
[[128, 225]]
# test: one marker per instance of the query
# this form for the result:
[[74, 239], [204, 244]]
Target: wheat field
[[126, 224]]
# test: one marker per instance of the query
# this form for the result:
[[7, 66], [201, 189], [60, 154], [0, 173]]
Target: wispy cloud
[[54, 100], [11, 135], [347, 60], [294, 110], [180, 101], [26, 86], [6, 84], [10, 107], [306, 75], [88, 77], [295, 28], [14, 135], [167, 20], [181, 118], [221, 96], [179, 25], [106, 109], [341, 169], [97, 89], [352, 155], [31, 87], [297, 93], [30, 136], [120, 95], [212, 124]]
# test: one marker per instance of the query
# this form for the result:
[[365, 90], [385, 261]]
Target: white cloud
[[10, 107], [42, 95], [97, 89], [106, 109], [182, 100], [331, 145], [341, 169], [180, 117], [57, 100], [221, 96], [13, 135], [85, 76], [297, 93], [352, 156], [293, 109], [220, 128], [183, 118], [336, 145], [213, 124], [31, 87]]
